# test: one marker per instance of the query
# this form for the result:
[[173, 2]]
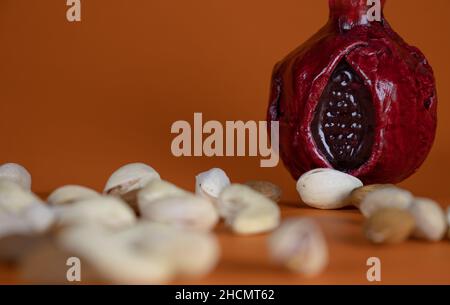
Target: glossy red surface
[[398, 76]]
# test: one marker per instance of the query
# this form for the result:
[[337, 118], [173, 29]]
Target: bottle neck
[[350, 13]]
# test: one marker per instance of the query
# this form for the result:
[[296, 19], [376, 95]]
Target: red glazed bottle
[[355, 97]]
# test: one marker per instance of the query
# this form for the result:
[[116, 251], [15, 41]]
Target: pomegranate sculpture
[[355, 97]]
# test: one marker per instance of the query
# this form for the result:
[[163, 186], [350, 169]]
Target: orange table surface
[[245, 259]]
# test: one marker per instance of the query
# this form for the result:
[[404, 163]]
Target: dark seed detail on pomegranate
[[344, 122]]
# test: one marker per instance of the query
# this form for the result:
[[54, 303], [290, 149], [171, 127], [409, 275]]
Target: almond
[[357, 195], [389, 226], [266, 188]]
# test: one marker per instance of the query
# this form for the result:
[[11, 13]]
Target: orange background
[[77, 100]]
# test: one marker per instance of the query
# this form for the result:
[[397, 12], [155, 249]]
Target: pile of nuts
[[392, 214], [143, 229]]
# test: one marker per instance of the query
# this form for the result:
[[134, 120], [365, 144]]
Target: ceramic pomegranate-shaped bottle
[[355, 97]]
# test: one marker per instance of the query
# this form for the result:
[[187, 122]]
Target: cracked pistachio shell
[[209, 184], [130, 177]]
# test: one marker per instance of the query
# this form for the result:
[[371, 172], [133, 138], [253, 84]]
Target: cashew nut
[[247, 211]]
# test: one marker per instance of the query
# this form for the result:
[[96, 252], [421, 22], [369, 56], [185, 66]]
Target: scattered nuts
[[392, 197], [430, 219], [116, 259], [71, 193], [209, 184], [128, 180], [247, 211], [299, 245], [16, 173], [107, 211], [268, 189], [147, 253], [325, 188], [357, 195], [186, 211], [156, 251], [389, 225]]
